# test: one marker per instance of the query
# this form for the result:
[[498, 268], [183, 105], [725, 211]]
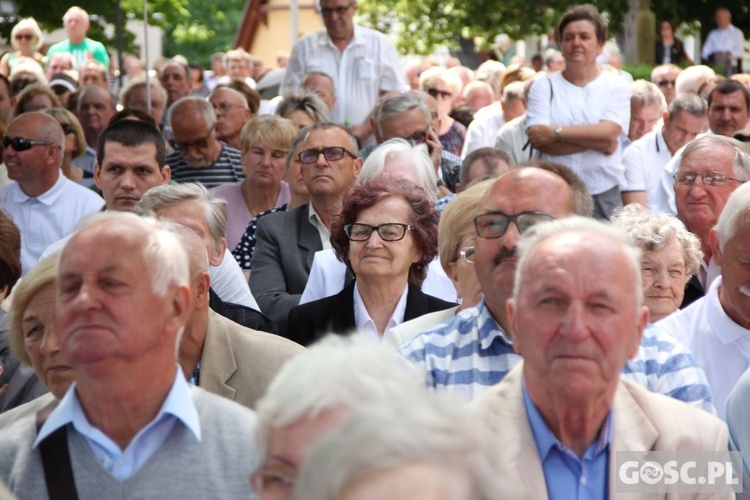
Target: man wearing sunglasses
[[43, 203], [474, 351], [362, 62], [199, 156], [287, 241]]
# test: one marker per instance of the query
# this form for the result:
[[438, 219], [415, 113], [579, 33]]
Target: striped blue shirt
[[226, 169], [471, 352]]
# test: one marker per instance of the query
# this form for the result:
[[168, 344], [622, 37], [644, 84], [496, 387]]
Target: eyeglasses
[[439, 93], [23, 144], [666, 83], [330, 154], [495, 224], [197, 144], [24, 36], [712, 178], [467, 254], [340, 10], [67, 128], [227, 106], [392, 231]]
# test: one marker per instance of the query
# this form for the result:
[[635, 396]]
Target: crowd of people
[[345, 279]]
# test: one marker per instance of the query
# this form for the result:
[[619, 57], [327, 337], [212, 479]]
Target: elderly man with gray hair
[[645, 159], [717, 327], [407, 447], [199, 156], [576, 317], [315, 392], [130, 423], [647, 104]]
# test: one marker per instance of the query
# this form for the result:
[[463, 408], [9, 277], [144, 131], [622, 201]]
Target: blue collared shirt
[[471, 352], [177, 408], [567, 476]]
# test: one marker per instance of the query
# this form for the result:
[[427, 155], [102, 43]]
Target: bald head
[[47, 128]]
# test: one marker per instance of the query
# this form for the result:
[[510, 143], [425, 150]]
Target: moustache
[[503, 254]]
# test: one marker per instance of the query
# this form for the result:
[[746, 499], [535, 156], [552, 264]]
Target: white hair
[[576, 224], [714, 142], [419, 428], [417, 156], [738, 206], [336, 372], [162, 249]]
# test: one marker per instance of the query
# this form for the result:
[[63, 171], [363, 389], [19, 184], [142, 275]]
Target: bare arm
[[629, 197], [602, 136]]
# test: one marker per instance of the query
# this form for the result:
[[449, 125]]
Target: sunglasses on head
[[23, 144]]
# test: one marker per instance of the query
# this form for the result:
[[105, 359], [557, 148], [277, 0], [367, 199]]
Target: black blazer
[[676, 52], [693, 291], [335, 314]]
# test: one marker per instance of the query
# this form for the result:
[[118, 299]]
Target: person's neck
[[76, 40], [92, 137], [380, 297], [325, 207], [498, 311], [576, 424], [259, 198], [193, 339], [581, 77], [40, 184], [120, 402], [342, 43], [73, 173], [233, 141], [668, 40]]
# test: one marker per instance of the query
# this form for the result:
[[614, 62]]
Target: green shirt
[[82, 52]]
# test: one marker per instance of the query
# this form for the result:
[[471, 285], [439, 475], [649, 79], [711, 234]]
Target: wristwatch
[[558, 133]]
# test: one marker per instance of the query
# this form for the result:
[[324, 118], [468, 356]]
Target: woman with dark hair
[[386, 234], [669, 48]]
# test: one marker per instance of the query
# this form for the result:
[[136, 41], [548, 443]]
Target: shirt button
[[583, 480]]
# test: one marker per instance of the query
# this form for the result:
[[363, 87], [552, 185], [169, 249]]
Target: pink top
[[238, 216]]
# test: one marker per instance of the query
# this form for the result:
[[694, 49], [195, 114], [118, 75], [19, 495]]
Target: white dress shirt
[[644, 162], [483, 129], [365, 324], [721, 346], [45, 219], [729, 39], [367, 65]]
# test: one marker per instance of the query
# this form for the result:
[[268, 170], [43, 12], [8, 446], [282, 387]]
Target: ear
[[181, 302], [202, 290], [357, 165], [217, 257], [713, 239], [166, 174], [642, 323], [665, 116], [510, 308], [98, 176], [458, 188]]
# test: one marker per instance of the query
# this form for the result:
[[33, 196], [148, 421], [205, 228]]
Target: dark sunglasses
[[666, 83], [24, 36], [67, 128], [22, 144], [330, 154], [435, 93]]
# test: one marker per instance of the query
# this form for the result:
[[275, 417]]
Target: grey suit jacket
[[642, 421], [284, 250], [238, 363]]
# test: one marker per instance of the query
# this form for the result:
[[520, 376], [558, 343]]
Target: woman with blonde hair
[[26, 38], [75, 141]]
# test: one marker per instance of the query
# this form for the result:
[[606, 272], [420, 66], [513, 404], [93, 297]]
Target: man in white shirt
[[362, 62], [647, 105], [487, 121], [645, 159], [725, 45], [716, 328], [43, 203]]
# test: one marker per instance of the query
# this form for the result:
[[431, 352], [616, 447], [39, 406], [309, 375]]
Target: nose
[[127, 181], [375, 241], [267, 158], [512, 235], [574, 326], [50, 342], [661, 279]]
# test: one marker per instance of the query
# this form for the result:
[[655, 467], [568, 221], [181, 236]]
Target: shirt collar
[[489, 329], [546, 440], [364, 322], [178, 403], [726, 329], [356, 39], [48, 197]]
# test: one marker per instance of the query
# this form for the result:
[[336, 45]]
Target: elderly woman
[[75, 141], [265, 144], [456, 245], [26, 38], [304, 108], [386, 234], [445, 87], [33, 338], [671, 255], [35, 97]]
